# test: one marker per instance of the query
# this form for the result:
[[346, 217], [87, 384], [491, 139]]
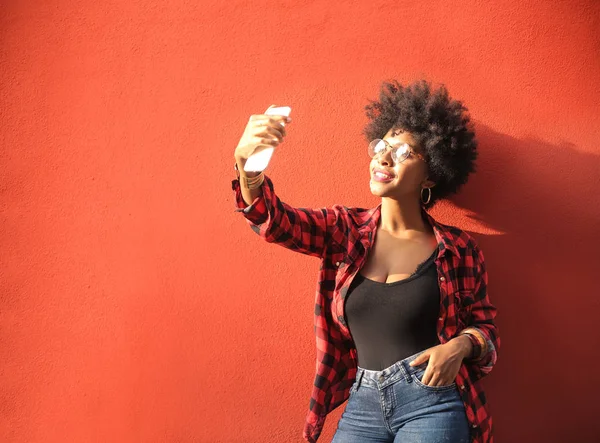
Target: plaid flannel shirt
[[342, 238]]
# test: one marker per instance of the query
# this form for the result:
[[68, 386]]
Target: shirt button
[[440, 318], [462, 387], [337, 263], [442, 278], [473, 425]]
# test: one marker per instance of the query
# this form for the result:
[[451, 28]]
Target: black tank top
[[392, 321]]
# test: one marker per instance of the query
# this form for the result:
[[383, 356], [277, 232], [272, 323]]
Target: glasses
[[400, 152]]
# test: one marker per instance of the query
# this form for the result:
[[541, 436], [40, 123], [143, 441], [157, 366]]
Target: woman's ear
[[427, 184]]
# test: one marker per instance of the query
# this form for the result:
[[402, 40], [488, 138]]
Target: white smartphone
[[259, 161]]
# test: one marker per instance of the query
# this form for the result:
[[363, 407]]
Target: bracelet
[[249, 182], [474, 343], [480, 339]]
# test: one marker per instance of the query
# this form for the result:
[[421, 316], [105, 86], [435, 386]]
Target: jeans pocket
[[418, 377]]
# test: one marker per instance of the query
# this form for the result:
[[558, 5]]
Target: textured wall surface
[[136, 306]]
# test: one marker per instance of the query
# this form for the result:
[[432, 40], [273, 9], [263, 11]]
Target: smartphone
[[259, 161]]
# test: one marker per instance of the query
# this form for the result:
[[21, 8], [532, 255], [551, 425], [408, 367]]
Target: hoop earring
[[428, 198]]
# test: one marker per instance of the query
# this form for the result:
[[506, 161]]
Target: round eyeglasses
[[400, 152]]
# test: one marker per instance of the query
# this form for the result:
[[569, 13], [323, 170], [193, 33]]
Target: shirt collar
[[442, 232]]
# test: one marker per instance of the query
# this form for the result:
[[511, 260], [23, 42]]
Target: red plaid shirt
[[342, 238]]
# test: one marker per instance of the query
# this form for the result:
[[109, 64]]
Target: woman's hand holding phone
[[263, 131]]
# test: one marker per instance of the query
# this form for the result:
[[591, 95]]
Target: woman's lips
[[379, 178]]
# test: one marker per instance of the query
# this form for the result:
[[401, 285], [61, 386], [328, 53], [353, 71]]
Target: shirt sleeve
[[483, 314], [304, 230]]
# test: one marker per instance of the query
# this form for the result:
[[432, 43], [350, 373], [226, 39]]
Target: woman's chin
[[378, 188]]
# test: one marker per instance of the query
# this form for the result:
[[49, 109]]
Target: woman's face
[[409, 176]]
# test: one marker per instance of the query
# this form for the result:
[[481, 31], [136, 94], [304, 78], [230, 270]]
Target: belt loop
[[359, 379], [406, 372]]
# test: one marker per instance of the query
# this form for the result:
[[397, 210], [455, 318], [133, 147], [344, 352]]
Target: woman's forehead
[[399, 135]]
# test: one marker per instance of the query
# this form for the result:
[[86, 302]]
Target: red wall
[[136, 306]]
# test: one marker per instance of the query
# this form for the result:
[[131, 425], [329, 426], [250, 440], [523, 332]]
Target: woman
[[404, 324]]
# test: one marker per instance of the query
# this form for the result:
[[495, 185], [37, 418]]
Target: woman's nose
[[386, 157]]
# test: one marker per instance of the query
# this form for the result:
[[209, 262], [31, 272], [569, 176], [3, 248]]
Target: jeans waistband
[[390, 374]]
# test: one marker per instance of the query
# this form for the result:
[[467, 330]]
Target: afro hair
[[439, 124]]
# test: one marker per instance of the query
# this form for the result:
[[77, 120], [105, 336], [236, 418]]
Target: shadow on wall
[[542, 272]]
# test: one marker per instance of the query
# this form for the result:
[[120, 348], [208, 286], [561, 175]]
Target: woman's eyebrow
[[400, 143]]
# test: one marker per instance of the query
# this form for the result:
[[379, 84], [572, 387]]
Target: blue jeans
[[394, 406]]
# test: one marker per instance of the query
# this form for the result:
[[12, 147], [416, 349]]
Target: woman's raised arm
[[308, 231], [304, 230]]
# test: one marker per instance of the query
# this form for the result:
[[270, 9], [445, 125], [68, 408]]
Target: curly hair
[[439, 124]]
